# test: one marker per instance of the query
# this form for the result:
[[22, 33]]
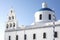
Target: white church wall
[[20, 35], [29, 32], [39, 33], [13, 35]]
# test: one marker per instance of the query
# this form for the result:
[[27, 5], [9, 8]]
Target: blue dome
[[48, 9]]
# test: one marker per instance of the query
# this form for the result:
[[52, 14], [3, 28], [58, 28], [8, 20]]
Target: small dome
[[44, 5], [46, 9]]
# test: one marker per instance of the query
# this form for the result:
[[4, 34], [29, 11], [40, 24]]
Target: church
[[45, 26]]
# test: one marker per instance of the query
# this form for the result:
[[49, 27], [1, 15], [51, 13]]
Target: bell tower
[[11, 22]]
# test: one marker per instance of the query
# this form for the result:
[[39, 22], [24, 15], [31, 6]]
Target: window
[[9, 18], [55, 34], [49, 16], [10, 25], [12, 17], [13, 24], [7, 26], [11, 11], [9, 37], [34, 36], [16, 37], [25, 37], [40, 16], [44, 35]]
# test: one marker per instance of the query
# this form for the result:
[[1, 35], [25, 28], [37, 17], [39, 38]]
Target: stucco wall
[[29, 32]]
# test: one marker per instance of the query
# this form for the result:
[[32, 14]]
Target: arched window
[[12, 17], [25, 37], [9, 18], [9, 37], [40, 17], [16, 37], [11, 11], [10, 25], [7, 26], [34, 36], [49, 16], [44, 35], [13, 24]]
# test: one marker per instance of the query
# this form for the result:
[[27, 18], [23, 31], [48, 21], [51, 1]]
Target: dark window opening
[[16, 37], [11, 11], [55, 34], [12, 17], [34, 36], [9, 37], [7, 26], [10, 25], [44, 35], [13, 24], [25, 37], [49, 16], [40, 16], [9, 18]]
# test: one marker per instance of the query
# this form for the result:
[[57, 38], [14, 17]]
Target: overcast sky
[[24, 10]]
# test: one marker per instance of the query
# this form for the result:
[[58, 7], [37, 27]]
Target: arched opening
[[10, 24], [16, 37], [25, 37], [49, 16], [11, 11], [44, 35], [9, 18], [13, 24], [40, 17], [34, 36], [55, 34], [9, 37], [7, 26], [12, 17]]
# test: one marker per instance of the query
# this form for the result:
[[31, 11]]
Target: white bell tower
[[11, 22], [45, 14]]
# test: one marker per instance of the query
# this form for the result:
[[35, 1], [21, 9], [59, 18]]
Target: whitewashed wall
[[29, 32]]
